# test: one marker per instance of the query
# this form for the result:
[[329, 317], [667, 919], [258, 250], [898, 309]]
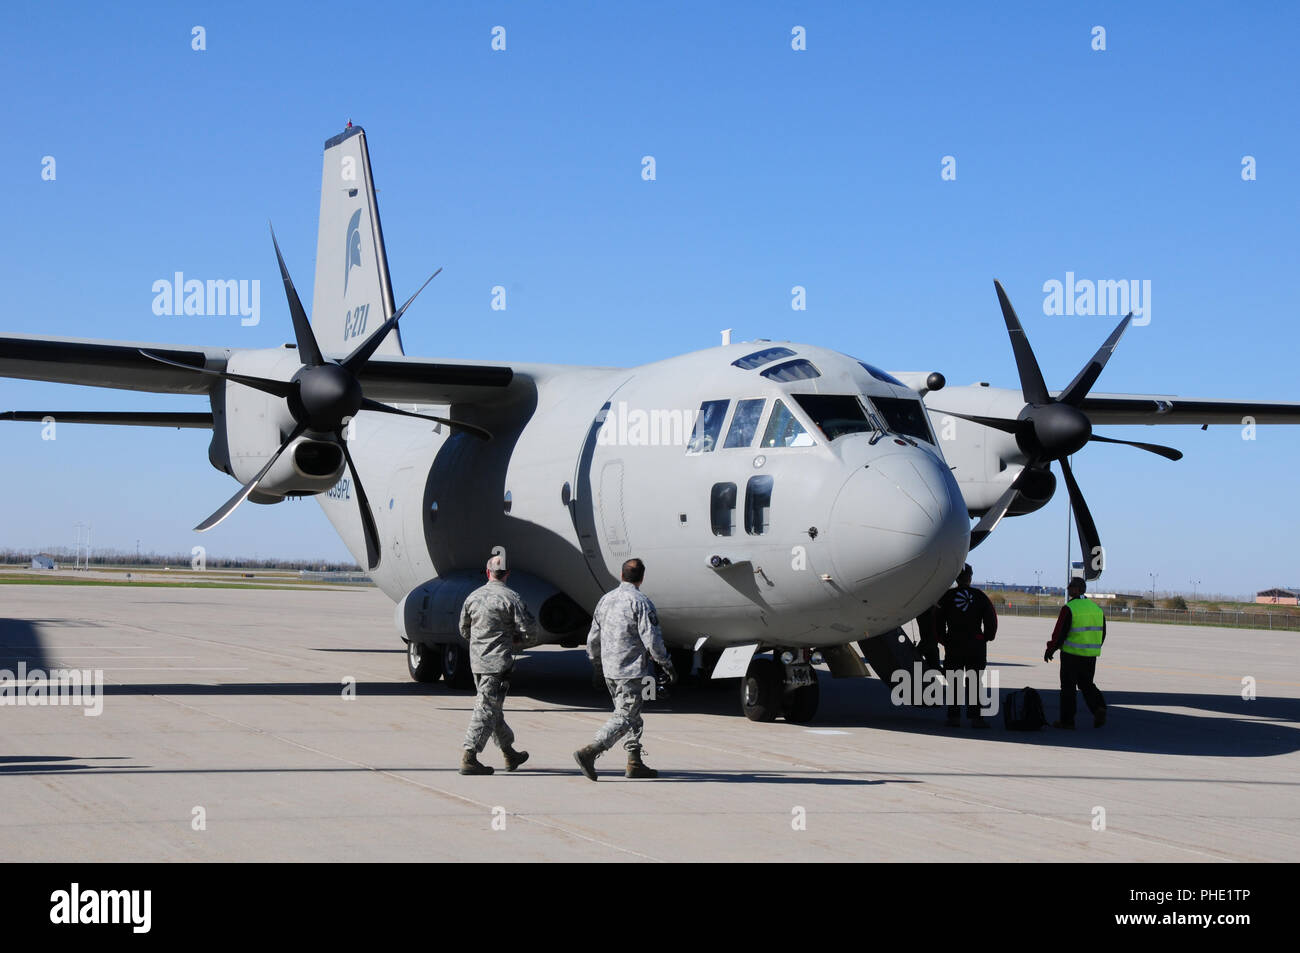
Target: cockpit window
[[904, 416], [759, 358], [836, 415], [744, 423], [784, 430], [708, 425], [880, 375], [799, 370]]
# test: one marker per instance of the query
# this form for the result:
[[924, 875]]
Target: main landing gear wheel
[[760, 690], [424, 662], [455, 667], [800, 705]]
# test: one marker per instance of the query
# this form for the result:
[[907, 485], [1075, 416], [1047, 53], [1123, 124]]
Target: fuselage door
[[611, 509]]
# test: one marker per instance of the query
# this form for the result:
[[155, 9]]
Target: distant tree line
[[66, 556]]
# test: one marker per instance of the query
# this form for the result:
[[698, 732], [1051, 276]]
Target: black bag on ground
[[1023, 711]]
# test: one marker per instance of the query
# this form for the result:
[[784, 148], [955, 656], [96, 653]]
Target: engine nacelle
[[430, 614], [249, 425]]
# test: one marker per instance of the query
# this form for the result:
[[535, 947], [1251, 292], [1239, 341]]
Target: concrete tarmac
[[227, 735]]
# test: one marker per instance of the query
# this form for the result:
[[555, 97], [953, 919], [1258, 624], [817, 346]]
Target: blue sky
[[774, 168]]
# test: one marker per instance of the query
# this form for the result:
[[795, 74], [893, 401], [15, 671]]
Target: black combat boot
[[586, 758], [514, 758], [470, 764], [636, 767]]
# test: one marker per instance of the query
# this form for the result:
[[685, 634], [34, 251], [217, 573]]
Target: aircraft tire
[[801, 704], [424, 662], [760, 690], [455, 667]]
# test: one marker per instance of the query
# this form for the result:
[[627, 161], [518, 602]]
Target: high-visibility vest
[[1086, 622]]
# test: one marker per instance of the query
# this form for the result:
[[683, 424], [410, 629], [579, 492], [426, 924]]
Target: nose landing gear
[[775, 686]]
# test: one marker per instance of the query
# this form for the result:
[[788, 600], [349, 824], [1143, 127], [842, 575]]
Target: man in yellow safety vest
[[1080, 631]]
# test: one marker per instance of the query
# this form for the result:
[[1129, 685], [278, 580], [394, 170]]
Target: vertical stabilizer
[[353, 295]]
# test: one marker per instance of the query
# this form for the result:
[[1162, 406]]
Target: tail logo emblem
[[353, 247]]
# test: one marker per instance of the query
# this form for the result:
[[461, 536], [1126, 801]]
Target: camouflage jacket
[[625, 634], [493, 618]]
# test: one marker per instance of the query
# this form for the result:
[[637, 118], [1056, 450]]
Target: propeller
[[322, 396], [1051, 429]]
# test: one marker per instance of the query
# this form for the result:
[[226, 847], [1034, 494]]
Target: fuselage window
[[836, 415], [904, 416], [758, 500], [722, 508], [708, 426], [799, 370], [784, 430], [759, 358], [744, 423]]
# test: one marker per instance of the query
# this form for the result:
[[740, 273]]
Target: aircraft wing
[[119, 364], [108, 363], [177, 419], [1104, 409]]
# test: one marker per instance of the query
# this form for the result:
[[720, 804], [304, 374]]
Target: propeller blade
[[368, 527], [308, 349], [990, 520], [1083, 381], [265, 384], [229, 506], [1089, 541], [368, 404], [997, 423], [357, 359], [1169, 453], [1032, 387]]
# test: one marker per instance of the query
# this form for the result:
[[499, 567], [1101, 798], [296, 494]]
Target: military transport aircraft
[[787, 498]]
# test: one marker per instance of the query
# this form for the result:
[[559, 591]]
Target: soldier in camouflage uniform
[[624, 638], [493, 619]]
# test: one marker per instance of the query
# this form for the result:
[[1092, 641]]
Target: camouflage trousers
[[489, 714], [626, 719]]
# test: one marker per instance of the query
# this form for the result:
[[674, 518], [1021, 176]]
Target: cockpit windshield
[[836, 415], [904, 416], [784, 429]]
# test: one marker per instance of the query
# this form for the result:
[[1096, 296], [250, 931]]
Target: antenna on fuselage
[[726, 337]]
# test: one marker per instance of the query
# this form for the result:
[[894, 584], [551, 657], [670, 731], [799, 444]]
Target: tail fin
[[353, 295]]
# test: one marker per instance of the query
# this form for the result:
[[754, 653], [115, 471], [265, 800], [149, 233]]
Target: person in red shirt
[[1078, 666]]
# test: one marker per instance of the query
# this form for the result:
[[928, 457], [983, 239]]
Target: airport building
[[1278, 597]]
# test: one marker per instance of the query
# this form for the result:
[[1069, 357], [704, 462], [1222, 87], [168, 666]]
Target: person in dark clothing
[[1080, 631], [965, 622], [928, 644]]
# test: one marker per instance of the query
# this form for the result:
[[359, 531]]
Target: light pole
[[1038, 581], [1153, 588], [1195, 583]]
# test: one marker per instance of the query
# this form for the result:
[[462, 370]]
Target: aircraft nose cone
[[901, 532]]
